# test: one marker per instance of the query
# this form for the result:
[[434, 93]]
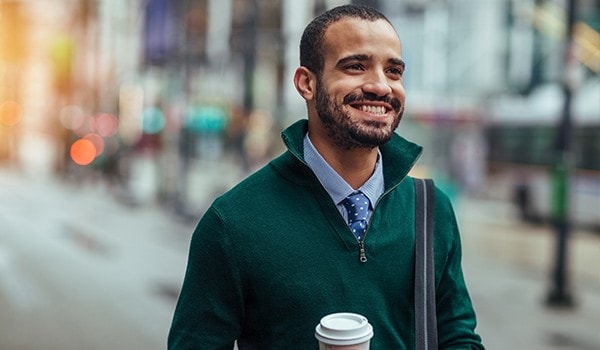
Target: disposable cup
[[344, 331]]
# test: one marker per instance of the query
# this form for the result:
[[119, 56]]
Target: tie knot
[[357, 205]]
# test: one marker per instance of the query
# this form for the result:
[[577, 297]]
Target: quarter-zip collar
[[399, 155]]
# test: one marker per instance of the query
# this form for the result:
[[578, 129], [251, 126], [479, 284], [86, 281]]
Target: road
[[81, 271]]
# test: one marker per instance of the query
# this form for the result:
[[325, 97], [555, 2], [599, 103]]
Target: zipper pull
[[361, 248]]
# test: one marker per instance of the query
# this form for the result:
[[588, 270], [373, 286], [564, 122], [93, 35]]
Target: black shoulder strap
[[425, 313]]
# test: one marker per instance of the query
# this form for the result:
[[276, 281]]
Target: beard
[[347, 133]]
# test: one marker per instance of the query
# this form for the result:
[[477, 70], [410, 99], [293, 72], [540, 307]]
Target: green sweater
[[273, 255]]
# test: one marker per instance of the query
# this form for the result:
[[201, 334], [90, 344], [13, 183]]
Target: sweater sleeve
[[455, 314], [209, 311]]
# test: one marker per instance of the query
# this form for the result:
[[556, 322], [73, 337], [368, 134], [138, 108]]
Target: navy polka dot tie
[[357, 205]]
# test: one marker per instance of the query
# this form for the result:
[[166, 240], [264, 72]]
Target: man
[[276, 253]]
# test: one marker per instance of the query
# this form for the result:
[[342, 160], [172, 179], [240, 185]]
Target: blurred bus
[[521, 148]]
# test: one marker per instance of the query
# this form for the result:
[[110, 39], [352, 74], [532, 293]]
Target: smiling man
[[328, 226]]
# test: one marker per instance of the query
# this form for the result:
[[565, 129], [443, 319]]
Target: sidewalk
[[508, 266]]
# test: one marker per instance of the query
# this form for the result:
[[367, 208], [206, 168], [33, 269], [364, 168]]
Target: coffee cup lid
[[344, 328]]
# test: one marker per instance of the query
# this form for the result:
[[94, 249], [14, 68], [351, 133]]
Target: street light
[[560, 294]]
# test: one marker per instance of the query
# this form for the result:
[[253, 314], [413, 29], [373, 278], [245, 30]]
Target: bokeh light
[[72, 117], [10, 113], [106, 125], [83, 152], [153, 120]]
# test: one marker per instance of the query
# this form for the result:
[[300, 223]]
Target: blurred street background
[[120, 121]]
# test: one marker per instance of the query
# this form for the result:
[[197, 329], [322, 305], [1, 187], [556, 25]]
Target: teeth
[[373, 109]]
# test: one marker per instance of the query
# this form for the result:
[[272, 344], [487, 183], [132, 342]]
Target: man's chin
[[370, 141]]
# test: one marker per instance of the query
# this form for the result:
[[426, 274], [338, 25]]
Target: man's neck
[[355, 166]]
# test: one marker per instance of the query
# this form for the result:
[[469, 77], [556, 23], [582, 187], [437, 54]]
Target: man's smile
[[374, 105], [372, 109]]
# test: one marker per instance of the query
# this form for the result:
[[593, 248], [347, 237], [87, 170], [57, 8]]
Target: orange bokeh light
[[83, 152], [10, 113]]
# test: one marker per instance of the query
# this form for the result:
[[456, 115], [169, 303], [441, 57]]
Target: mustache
[[368, 96]]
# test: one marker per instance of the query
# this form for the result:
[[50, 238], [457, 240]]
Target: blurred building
[[184, 76]]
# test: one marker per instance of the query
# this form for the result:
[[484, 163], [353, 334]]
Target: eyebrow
[[397, 62], [363, 58]]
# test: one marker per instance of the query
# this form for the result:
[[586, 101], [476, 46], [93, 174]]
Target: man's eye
[[355, 66], [396, 71]]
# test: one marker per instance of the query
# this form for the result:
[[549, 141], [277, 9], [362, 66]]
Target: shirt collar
[[337, 188]]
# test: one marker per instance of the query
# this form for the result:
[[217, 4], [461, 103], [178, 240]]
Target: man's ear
[[305, 82]]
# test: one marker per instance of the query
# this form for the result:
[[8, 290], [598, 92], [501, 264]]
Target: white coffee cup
[[344, 331]]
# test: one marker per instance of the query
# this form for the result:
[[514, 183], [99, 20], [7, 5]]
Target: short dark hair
[[311, 43]]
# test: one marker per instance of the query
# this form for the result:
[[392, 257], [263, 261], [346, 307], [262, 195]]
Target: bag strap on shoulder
[[425, 309]]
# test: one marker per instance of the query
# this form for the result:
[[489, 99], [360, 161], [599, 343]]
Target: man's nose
[[377, 83]]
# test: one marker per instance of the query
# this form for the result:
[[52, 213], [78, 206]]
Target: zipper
[[362, 256], [362, 252]]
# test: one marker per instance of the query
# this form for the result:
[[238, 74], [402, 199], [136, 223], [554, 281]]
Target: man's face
[[360, 96]]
